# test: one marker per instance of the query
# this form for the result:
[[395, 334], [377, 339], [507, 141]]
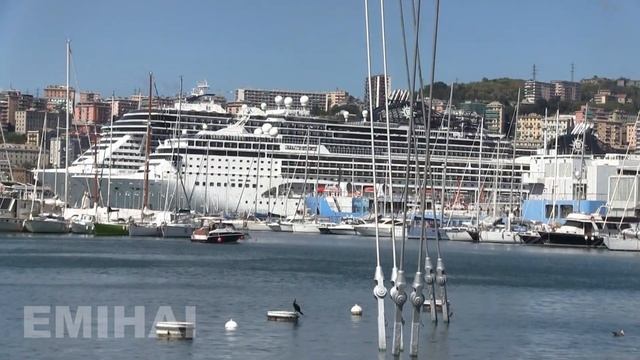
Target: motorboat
[[47, 223]]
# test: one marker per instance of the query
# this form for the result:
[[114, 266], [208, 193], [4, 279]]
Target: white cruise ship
[[207, 160]]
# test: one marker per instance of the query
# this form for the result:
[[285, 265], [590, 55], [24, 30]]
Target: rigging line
[[429, 276], [379, 290], [416, 297], [390, 175]]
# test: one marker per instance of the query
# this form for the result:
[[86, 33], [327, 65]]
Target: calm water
[[510, 302]]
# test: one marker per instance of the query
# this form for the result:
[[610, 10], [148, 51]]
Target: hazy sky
[[304, 45]]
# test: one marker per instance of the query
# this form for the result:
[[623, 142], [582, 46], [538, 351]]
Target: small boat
[[175, 329], [346, 227], [218, 233], [385, 226], [578, 230], [83, 224], [281, 315], [47, 224]]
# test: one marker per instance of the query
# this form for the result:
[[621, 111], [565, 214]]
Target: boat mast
[[513, 163], [446, 154], [379, 290], [113, 95], [555, 176], [67, 152], [145, 199], [95, 166], [479, 173], [582, 151]]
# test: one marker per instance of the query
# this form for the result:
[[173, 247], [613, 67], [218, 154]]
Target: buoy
[[356, 310], [230, 325]]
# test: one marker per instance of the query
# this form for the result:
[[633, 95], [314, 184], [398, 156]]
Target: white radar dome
[[257, 131], [266, 127], [263, 106], [365, 114], [304, 100], [273, 131], [278, 100], [288, 101]]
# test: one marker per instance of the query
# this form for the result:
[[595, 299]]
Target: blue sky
[[304, 45]]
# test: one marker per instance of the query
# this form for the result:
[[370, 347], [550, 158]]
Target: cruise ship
[[268, 160]]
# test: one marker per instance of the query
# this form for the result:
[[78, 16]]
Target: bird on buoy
[[296, 307], [356, 310], [618, 333], [230, 325]]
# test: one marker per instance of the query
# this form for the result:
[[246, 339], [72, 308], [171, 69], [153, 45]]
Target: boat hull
[[46, 226], [11, 225], [144, 230], [562, 239], [219, 237], [622, 243], [106, 229], [177, 230], [82, 227], [499, 237]]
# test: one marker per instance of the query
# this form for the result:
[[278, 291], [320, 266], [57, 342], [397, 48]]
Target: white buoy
[[356, 310], [230, 325]]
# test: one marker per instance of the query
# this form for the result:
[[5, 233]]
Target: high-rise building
[[33, 120], [92, 113], [536, 90], [56, 96], [378, 90], [566, 90], [12, 101], [494, 117]]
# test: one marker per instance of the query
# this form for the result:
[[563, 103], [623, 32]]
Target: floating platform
[[175, 330], [288, 316]]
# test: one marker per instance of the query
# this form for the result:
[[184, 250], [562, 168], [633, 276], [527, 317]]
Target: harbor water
[[508, 302]]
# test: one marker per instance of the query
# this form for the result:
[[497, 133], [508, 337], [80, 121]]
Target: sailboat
[[83, 223], [118, 227], [146, 228], [49, 222]]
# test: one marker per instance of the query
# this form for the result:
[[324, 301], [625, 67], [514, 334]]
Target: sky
[[305, 45]]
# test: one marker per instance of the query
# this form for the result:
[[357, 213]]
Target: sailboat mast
[[113, 95], [145, 201], [67, 153], [584, 147], [513, 161], [446, 155], [479, 172]]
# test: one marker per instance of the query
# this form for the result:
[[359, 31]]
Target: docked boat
[[83, 224], [47, 224], [346, 227], [385, 227], [578, 230], [145, 229], [217, 233]]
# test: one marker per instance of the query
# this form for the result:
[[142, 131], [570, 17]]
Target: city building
[[536, 90], [34, 137], [56, 96], [142, 101], [624, 82], [92, 113], [33, 120], [89, 96], [566, 90], [336, 98], [631, 136], [122, 106], [529, 131], [10, 102], [563, 124], [494, 117], [24, 155], [378, 89]]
